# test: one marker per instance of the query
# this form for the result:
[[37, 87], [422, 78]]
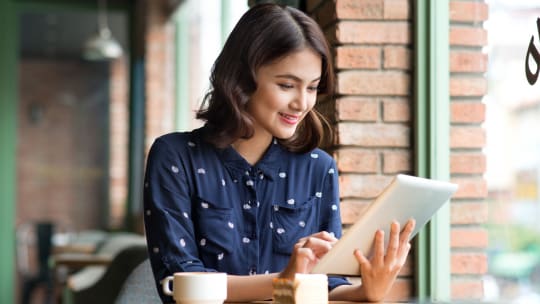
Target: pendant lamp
[[102, 46]]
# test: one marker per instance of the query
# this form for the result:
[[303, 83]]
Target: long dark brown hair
[[265, 33]]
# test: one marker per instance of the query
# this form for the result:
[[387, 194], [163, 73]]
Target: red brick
[[354, 9], [468, 263], [397, 57], [362, 186], [467, 36], [354, 57], [373, 32], [351, 209], [357, 160], [396, 110], [467, 289], [465, 213], [397, 10], [468, 86], [374, 135], [467, 112], [397, 162], [373, 83], [467, 137], [467, 163], [357, 108], [468, 11], [470, 188], [467, 61], [468, 238]]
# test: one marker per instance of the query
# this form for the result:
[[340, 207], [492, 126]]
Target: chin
[[284, 135]]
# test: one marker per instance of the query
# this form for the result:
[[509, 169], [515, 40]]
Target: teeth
[[288, 116]]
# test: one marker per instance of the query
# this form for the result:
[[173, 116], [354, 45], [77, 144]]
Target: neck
[[252, 149]]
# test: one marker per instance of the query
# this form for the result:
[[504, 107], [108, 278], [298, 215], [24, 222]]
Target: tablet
[[406, 197]]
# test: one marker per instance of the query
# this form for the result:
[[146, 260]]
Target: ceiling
[[63, 33]]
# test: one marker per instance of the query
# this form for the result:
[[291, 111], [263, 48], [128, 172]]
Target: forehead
[[305, 64]]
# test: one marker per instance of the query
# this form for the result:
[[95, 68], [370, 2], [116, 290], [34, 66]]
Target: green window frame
[[432, 149], [8, 138]]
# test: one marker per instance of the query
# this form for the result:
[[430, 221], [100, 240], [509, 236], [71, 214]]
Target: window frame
[[431, 146]]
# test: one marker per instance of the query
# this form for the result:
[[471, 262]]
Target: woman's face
[[286, 91]]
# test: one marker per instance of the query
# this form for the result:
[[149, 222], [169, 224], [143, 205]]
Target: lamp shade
[[102, 46]]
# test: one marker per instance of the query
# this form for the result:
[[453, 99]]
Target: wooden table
[[79, 260]]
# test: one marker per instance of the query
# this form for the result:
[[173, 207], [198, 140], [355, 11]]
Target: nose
[[301, 101]]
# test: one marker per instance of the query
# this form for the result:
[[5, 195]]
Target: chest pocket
[[214, 228], [291, 222]]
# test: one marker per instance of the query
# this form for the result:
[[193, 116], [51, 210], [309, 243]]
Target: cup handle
[[165, 285]]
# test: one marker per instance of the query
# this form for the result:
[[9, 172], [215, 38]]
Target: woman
[[250, 194]]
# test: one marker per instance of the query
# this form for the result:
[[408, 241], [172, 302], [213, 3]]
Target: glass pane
[[72, 127], [513, 154]]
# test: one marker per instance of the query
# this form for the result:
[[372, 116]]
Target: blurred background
[[513, 154], [80, 132]]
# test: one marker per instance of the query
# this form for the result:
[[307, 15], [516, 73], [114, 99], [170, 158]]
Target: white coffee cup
[[197, 287]]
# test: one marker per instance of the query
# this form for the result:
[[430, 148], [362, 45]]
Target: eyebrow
[[295, 78]]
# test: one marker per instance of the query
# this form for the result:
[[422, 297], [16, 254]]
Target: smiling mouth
[[289, 119]]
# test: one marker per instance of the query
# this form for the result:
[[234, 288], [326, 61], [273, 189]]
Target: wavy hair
[[265, 33]]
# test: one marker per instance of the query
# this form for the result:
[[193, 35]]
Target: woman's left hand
[[380, 272]]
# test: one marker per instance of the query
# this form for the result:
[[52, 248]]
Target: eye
[[285, 85], [313, 88]]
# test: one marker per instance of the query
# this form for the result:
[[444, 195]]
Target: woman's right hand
[[307, 252]]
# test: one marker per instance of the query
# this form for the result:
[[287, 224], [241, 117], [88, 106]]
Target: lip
[[289, 118]]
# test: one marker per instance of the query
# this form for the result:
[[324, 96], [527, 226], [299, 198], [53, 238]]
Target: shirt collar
[[268, 165]]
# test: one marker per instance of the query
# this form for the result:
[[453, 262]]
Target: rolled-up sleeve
[[167, 215]]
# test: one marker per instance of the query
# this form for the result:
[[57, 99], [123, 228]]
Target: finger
[[318, 246], [323, 235], [404, 253], [378, 254], [364, 263], [304, 256], [404, 244], [393, 243], [330, 237], [405, 235], [408, 229]]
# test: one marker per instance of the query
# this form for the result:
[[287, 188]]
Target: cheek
[[312, 102]]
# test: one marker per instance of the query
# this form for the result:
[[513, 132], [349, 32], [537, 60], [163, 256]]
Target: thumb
[[362, 260]]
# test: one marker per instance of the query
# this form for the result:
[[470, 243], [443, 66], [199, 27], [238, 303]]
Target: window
[[513, 154]]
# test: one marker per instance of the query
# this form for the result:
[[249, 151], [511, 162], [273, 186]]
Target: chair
[[43, 276], [139, 286], [102, 283]]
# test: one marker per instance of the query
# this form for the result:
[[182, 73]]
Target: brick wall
[[118, 140], [62, 143], [468, 85], [372, 115], [159, 69]]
